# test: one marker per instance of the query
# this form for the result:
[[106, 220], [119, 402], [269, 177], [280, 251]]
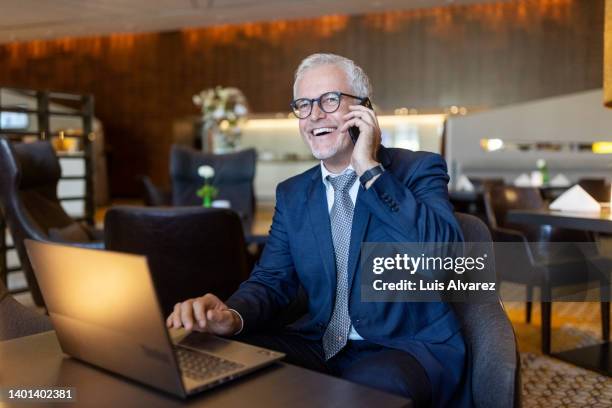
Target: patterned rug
[[548, 382]]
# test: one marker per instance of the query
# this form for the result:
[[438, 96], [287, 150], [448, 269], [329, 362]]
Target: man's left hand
[[364, 152]]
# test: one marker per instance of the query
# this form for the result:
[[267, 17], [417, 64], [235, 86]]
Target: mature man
[[360, 192]]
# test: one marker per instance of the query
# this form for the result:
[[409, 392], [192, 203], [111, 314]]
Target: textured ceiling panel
[[22, 20]]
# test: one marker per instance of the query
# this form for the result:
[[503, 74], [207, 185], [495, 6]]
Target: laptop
[[106, 313]]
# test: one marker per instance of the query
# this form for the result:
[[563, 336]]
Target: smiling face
[[321, 130]]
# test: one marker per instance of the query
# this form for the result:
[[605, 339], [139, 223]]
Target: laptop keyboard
[[201, 366]]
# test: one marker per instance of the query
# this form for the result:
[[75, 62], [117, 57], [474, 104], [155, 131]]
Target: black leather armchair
[[190, 250], [493, 357], [29, 173], [234, 176]]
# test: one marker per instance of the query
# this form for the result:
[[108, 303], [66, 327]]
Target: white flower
[[206, 172], [240, 109], [224, 125], [223, 92], [219, 113], [219, 104]]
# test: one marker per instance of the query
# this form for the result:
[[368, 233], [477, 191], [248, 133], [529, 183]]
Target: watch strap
[[370, 174]]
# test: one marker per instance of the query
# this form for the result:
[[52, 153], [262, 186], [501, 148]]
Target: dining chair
[[546, 266]]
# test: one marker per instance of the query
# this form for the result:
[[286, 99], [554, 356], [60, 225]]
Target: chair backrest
[[191, 250], [234, 179], [481, 183], [499, 199], [29, 173], [17, 320], [492, 349], [598, 188]]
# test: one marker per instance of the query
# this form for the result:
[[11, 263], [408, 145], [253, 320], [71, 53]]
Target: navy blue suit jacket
[[407, 203]]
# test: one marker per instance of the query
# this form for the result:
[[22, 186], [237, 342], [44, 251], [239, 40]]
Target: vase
[[225, 141], [207, 202], [202, 130], [215, 140], [220, 144]]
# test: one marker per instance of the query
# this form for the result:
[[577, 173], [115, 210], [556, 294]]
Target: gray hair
[[357, 78]]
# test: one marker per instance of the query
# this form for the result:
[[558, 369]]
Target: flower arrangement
[[224, 110], [207, 192]]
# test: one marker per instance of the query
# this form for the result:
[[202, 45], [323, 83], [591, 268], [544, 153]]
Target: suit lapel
[[319, 219]]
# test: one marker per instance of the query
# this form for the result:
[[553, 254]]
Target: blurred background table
[[596, 357]]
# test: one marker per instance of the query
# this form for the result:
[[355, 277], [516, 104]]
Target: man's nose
[[317, 112]]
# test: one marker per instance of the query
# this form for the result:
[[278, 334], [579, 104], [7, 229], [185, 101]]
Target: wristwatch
[[370, 174]]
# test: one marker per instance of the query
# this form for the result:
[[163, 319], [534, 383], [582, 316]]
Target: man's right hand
[[205, 314]]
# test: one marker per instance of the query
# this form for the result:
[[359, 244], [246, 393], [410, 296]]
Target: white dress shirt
[[329, 191]]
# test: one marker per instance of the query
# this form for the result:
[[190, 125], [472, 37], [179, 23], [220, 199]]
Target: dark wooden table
[[597, 357], [595, 222], [38, 361]]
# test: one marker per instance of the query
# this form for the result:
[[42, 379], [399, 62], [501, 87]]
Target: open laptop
[[105, 312]]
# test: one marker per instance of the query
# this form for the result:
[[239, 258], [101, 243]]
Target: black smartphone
[[354, 130]]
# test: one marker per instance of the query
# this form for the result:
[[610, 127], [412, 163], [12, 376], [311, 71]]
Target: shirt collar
[[325, 172]]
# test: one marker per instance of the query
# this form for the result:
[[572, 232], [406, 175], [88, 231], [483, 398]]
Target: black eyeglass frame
[[339, 94]]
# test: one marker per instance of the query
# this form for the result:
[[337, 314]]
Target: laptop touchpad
[[205, 342]]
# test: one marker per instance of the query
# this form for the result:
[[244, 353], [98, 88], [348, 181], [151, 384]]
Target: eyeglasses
[[329, 102]]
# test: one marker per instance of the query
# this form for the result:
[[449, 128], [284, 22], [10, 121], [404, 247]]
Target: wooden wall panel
[[478, 55]]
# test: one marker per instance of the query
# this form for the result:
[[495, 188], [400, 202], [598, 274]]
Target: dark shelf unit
[[44, 113]]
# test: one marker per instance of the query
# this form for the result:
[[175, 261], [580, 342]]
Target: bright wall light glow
[[491, 145], [602, 147], [383, 120]]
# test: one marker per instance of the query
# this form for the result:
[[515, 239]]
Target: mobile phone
[[354, 130]]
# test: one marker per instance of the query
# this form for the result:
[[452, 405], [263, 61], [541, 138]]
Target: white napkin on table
[[559, 181], [536, 178], [464, 184], [523, 181], [221, 204], [575, 199]]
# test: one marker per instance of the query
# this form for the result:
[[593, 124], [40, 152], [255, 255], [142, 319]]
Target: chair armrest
[[507, 235], [521, 256], [95, 234]]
